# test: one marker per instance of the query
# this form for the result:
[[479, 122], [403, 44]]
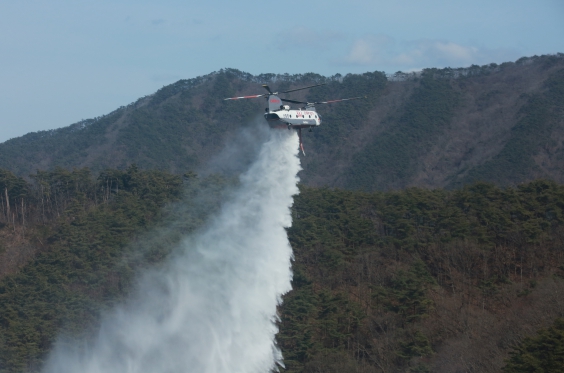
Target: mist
[[240, 151], [211, 308]]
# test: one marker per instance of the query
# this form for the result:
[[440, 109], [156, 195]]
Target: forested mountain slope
[[387, 278], [408, 281], [440, 128]]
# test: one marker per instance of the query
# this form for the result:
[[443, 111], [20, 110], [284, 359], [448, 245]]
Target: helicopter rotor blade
[[299, 89], [267, 88], [342, 99], [238, 98], [293, 101]]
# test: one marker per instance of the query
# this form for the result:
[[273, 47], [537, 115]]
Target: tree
[[541, 354]]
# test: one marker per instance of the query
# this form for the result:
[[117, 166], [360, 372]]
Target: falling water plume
[[212, 307]]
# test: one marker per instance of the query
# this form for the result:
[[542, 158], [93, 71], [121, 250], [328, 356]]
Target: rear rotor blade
[[238, 98], [267, 88], [293, 101], [299, 89], [342, 99]]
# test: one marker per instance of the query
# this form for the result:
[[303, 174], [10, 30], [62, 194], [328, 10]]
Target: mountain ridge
[[411, 131]]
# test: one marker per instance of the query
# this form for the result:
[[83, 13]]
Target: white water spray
[[212, 308]]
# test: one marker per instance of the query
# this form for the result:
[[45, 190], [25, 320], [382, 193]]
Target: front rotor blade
[[342, 99], [299, 89], [293, 101], [238, 98], [267, 88]]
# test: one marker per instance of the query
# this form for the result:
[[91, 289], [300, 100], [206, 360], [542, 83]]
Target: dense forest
[[438, 128], [422, 280], [415, 280]]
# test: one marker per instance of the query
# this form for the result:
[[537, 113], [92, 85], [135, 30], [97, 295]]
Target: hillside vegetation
[[422, 280], [441, 128], [416, 280], [71, 245]]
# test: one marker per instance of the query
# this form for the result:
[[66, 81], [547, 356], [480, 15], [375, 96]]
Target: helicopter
[[279, 115]]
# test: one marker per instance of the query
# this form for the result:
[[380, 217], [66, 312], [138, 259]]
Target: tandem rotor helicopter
[[282, 116]]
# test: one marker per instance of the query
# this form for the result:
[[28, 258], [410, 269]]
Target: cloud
[[382, 50], [303, 37], [369, 50], [424, 52]]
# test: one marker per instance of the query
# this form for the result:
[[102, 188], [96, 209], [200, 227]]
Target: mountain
[[439, 128], [410, 280]]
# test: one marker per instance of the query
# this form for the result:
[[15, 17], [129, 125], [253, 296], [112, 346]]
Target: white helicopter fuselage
[[282, 116], [293, 118]]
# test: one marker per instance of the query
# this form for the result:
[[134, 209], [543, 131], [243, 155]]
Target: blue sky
[[63, 61]]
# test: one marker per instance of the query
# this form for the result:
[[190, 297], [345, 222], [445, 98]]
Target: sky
[[64, 61]]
